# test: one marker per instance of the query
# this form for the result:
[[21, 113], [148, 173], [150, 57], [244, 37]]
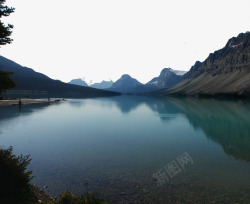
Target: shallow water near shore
[[136, 149]]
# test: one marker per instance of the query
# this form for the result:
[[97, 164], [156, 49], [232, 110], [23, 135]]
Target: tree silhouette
[[5, 30], [15, 178], [5, 81]]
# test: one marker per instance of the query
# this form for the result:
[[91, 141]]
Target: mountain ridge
[[102, 85], [224, 72], [167, 79], [32, 83]]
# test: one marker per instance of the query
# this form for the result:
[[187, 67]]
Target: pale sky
[[103, 39]]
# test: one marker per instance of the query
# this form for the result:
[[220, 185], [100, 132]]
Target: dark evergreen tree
[[15, 178], [5, 30], [5, 81]]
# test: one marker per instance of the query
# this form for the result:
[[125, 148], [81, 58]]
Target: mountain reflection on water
[[226, 122]]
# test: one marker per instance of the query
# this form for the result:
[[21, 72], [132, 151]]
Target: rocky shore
[[41, 196]]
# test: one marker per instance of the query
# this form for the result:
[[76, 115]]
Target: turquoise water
[[119, 145]]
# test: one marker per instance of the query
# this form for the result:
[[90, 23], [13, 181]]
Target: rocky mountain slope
[[224, 72]]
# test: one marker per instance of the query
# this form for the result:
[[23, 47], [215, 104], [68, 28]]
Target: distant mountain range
[[166, 79], [78, 82], [101, 85], [31, 83], [224, 72]]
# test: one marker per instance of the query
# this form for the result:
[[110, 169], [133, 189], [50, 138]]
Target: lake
[[136, 149]]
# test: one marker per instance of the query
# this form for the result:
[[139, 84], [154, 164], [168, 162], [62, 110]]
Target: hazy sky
[[103, 39]]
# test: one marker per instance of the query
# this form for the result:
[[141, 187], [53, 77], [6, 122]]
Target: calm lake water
[[136, 149]]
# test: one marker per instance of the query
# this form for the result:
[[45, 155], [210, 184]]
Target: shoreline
[[42, 196], [16, 102]]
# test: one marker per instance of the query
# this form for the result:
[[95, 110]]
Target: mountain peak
[[166, 79], [241, 39], [164, 70], [78, 82], [125, 84], [102, 85], [177, 72], [192, 70], [125, 76]]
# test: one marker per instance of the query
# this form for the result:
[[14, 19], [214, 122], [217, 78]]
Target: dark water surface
[[137, 149]]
